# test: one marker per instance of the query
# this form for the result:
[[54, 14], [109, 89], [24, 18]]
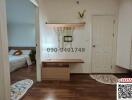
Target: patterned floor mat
[[106, 79], [19, 89]]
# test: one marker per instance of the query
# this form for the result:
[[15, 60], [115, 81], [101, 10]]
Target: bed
[[19, 61]]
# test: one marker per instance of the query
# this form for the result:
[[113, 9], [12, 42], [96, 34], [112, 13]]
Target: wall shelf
[[66, 24]]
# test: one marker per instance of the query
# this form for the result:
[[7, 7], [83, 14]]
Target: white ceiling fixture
[[34, 2]]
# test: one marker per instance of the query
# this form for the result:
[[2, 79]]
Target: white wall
[[20, 11], [67, 11], [124, 34], [21, 35], [21, 23]]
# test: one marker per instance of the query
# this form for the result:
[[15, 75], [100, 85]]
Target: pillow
[[17, 53], [11, 52], [26, 52]]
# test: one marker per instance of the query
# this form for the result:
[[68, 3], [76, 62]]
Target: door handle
[[94, 46]]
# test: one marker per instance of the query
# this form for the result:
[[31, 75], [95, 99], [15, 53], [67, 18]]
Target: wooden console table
[[57, 69]]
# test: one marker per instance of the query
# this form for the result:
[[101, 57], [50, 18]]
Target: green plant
[[81, 15], [32, 55]]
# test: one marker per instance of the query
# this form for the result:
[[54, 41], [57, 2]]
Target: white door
[[102, 43]]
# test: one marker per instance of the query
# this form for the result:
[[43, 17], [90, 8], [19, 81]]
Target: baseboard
[[79, 73], [96, 73], [122, 69], [118, 70]]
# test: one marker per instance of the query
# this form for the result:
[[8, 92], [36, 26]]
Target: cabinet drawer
[[55, 73]]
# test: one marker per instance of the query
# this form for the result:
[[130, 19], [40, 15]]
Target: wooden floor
[[23, 73], [81, 87]]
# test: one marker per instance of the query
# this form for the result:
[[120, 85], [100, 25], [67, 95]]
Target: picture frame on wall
[[68, 38]]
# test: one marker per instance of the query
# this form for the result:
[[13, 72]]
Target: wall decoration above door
[[65, 32]]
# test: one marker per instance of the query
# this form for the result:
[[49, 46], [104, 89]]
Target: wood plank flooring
[[81, 87], [23, 73]]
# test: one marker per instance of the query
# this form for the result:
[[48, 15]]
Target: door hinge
[[114, 21], [111, 66], [113, 35]]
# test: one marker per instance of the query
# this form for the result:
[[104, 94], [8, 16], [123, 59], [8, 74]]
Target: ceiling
[[20, 12]]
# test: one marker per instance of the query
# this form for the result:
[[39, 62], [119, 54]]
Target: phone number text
[[65, 49]]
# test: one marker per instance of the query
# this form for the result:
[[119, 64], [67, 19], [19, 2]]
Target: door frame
[[4, 62], [37, 31], [115, 30], [37, 38]]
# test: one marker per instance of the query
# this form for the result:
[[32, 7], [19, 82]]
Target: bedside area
[[57, 69]]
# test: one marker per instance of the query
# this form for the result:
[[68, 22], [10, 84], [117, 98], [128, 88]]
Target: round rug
[[19, 89], [106, 79]]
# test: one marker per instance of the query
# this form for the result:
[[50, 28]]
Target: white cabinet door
[[102, 43], [124, 34]]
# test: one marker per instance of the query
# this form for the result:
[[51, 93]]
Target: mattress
[[17, 62]]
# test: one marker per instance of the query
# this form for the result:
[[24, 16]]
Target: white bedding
[[17, 62]]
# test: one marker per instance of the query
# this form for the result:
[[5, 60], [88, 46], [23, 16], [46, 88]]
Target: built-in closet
[[124, 40]]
